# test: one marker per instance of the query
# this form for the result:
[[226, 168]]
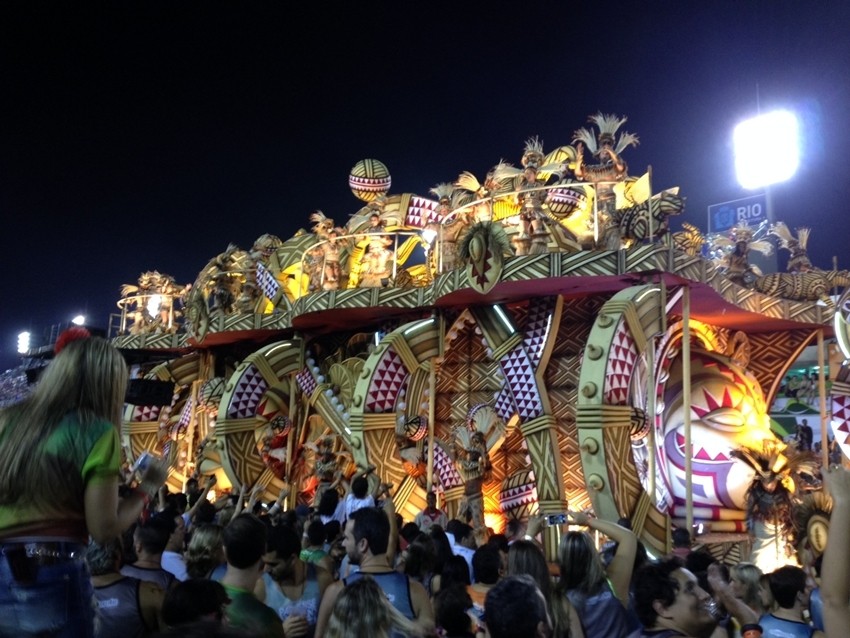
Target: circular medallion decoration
[[415, 428], [818, 532], [564, 202], [369, 179]]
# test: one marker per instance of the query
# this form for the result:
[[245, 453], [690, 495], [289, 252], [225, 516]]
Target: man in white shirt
[[431, 515]]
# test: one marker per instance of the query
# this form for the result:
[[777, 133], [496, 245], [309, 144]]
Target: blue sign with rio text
[[752, 210]]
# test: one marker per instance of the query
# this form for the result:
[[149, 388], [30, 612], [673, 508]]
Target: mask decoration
[[727, 411]]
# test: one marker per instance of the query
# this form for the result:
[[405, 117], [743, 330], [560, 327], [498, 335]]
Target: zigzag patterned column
[[542, 445]]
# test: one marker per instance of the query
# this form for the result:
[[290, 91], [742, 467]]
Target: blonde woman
[[60, 457], [362, 611], [205, 553], [600, 595]]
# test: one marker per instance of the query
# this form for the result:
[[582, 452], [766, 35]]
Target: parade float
[[531, 340]]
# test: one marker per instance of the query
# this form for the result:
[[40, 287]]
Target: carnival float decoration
[[537, 339], [781, 476], [152, 306]]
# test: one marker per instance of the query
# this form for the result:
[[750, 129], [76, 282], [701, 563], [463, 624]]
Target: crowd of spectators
[[256, 569], [82, 554]]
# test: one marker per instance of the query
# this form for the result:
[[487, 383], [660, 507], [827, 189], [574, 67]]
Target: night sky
[[141, 136]]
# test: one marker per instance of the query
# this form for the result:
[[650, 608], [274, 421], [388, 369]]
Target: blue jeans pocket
[[59, 603]]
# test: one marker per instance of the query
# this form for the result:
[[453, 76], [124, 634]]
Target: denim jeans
[[45, 597]]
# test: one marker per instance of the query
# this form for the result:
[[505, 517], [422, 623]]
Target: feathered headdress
[[777, 465], [786, 240], [322, 223], [505, 171], [443, 190], [533, 154], [608, 126], [468, 182], [779, 471], [799, 260]]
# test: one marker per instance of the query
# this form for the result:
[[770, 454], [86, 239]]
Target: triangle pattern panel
[[518, 495], [186, 416], [266, 281], [537, 327], [146, 413], [267, 409], [505, 407], [621, 362], [421, 211], [445, 468], [519, 374], [306, 381], [389, 377], [249, 390], [841, 422]]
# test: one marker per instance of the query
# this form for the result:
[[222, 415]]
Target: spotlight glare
[[23, 343], [766, 149]]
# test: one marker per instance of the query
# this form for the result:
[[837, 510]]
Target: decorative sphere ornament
[[368, 179], [566, 201]]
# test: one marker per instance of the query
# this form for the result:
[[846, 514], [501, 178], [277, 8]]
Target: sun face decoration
[[727, 411]]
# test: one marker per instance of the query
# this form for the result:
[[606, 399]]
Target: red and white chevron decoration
[[445, 468], [267, 409], [422, 211], [249, 390], [519, 374], [306, 381], [517, 496], [390, 377], [621, 364], [537, 327], [841, 422], [146, 413]]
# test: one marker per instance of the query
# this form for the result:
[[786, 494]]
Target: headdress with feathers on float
[[449, 195], [797, 246], [720, 245], [608, 126], [473, 440], [779, 471], [491, 185], [532, 157], [322, 224]]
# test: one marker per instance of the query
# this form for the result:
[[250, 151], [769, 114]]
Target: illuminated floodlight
[[79, 320], [23, 343], [767, 149]]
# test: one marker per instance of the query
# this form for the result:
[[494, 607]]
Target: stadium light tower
[[767, 149], [23, 342]]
